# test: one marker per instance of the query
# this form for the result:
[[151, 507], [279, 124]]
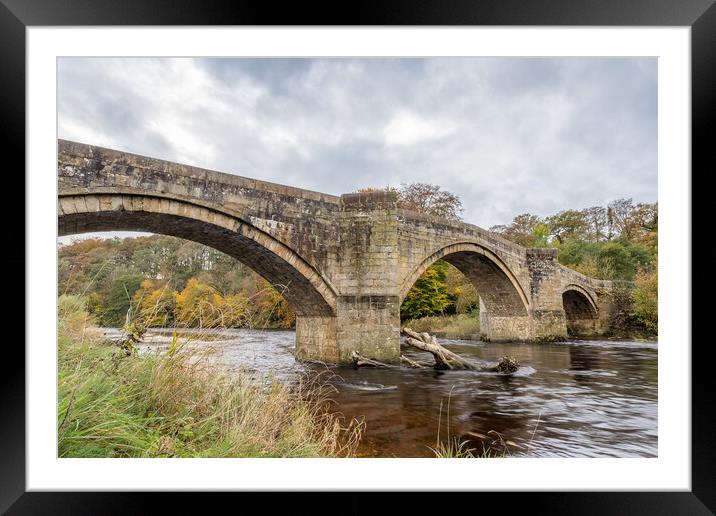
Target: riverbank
[[114, 410], [115, 403], [467, 327], [457, 326]]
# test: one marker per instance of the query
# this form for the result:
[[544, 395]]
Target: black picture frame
[[17, 15]]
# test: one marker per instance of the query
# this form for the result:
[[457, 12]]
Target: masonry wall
[[368, 309]]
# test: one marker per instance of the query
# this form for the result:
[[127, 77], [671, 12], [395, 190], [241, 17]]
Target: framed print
[[416, 249]]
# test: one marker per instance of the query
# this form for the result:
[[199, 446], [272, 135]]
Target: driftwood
[[444, 358], [360, 361], [411, 363]]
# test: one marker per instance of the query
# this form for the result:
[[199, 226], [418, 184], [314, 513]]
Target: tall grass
[[456, 448], [114, 403]]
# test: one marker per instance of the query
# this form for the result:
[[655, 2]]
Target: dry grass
[[177, 404]]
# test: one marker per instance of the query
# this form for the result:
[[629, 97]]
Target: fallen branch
[[411, 363], [359, 361], [444, 358]]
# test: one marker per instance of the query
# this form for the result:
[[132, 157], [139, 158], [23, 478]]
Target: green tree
[[567, 224], [540, 236], [429, 295], [119, 298], [615, 261], [523, 230]]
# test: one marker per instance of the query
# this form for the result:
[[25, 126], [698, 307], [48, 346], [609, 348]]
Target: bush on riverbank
[[111, 404], [634, 313], [645, 300], [456, 326]]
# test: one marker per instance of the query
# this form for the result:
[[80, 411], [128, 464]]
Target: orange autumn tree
[[155, 303]]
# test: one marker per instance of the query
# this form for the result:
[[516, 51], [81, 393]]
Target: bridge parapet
[[457, 229], [83, 166], [301, 219]]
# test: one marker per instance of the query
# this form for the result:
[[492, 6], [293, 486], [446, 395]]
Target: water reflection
[[574, 399]]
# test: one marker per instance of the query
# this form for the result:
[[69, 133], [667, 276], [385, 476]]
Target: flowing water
[[572, 399]]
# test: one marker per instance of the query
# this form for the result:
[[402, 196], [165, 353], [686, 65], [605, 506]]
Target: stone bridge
[[345, 263]]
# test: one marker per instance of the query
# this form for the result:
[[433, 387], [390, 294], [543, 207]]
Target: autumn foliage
[[165, 281]]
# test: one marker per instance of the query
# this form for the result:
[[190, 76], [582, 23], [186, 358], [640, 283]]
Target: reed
[[115, 403]]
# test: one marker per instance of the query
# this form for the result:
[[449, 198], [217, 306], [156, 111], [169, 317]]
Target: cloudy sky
[[507, 135]]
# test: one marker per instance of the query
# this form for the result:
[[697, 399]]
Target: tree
[[619, 217], [232, 310], [573, 251], [461, 289], [271, 308], [119, 298], [596, 222], [429, 295], [646, 300], [197, 305], [615, 261], [540, 236], [523, 230], [155, 303], [429, 200], [644, 225], [424, 198], [567, 224]]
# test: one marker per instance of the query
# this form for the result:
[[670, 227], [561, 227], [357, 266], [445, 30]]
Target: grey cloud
[[508, 135]]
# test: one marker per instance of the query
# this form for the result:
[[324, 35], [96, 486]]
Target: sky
[[508, 135]]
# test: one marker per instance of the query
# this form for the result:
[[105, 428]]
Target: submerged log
[[360, 361], [411, 363]]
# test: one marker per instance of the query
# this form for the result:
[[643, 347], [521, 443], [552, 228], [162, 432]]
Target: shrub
[[645, 300]]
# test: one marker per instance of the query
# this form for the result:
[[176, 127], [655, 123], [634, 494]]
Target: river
[[572, 399]]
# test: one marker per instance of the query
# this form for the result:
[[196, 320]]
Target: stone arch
[[580, 310], [498, 288], [306, 290]]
